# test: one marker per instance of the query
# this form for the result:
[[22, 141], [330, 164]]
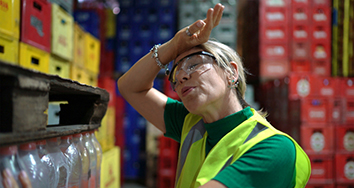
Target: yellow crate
[[92, 53], [62, 33], [34, 58], [110, 24], [111, 126], [91, 79], [77, 73], [60, 67], [79, 46], [9, 50], [110, 168], [10, 18]]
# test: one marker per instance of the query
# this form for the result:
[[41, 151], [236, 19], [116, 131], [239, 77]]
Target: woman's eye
[[193, 66]]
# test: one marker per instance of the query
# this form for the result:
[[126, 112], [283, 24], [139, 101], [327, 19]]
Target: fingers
[[26, 183], [8, 179], [195, 27]]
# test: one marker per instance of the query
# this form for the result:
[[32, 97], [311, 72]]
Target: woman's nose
[[182, 76]]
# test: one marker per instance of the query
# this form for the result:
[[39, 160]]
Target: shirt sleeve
[[270, 163], [174, 115]]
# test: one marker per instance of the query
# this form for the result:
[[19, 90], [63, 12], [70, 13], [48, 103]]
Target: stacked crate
[[167, 162], [190, 11], [274, 26], [9, 31]]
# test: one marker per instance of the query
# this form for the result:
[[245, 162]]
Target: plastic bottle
[[85, 159], [93, 158], [38, 172], [49, 162], [9, 159], [72, 154], [60, 161], [99, 153]]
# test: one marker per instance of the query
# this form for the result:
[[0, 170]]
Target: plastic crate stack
[[300, 94], [226, 32], [140, 24]]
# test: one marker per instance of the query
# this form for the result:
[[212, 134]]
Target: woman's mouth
[[186, 90]]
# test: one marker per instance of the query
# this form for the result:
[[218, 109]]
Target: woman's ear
[[234, 69]]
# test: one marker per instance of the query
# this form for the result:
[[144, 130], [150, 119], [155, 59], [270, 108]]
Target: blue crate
[[167, 15], [124, 31], [122, 64], [164, 32], [124, 16], [122, 48], [143, 31], [89, 20]]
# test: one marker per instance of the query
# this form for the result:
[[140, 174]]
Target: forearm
[[140, 77]]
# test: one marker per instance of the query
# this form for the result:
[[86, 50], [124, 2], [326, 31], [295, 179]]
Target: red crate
[[321, 67], [274, 68], [300, 33], [107, 62], [300, 66], [351, 185], [336, 107], [344, 139], [349, 111], [320, 50], [274, 16], [300, 50], [165, 180], [318, 185], [168, 147], [322, 169], [344, 168], [274, 34], [168, 89], [317, 139], [301, 85], [109, 84], [305, 3], [347, 88], [320, 15], [272, 3], [315, 110], [36, 23], [320, 33], [327, 86], [326, 3], [300, 14], [274, 50]]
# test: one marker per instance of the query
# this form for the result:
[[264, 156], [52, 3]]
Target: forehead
[[184, 54]]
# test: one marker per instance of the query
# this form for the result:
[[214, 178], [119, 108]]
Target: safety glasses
[[195, 62]]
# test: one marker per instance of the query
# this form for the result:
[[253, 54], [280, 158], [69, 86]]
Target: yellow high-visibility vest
[[194, 169]]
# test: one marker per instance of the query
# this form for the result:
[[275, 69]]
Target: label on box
[[300, 16], [349, 170], [275, 16], [275, 51], [348, 141], [275, 3], [320, 34], [303, 87], [317, 141], [275, 34], [319, 17], [320, 52]]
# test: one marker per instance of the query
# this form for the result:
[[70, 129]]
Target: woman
[[224, 142]]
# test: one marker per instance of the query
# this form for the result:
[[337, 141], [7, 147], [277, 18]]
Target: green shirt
[[270, 163]]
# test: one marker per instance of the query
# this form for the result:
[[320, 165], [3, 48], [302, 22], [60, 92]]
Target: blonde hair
[[224, 55]]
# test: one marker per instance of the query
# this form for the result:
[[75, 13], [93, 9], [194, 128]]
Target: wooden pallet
[[24, 99]]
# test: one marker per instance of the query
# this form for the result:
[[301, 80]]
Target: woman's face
[[203, 89]]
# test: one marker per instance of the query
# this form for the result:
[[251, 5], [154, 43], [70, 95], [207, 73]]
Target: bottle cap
[[28, 146], [41, 142], [78, 135], [8, 150], [67, 137]]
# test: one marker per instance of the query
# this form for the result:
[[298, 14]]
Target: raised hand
[[198, 32]]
